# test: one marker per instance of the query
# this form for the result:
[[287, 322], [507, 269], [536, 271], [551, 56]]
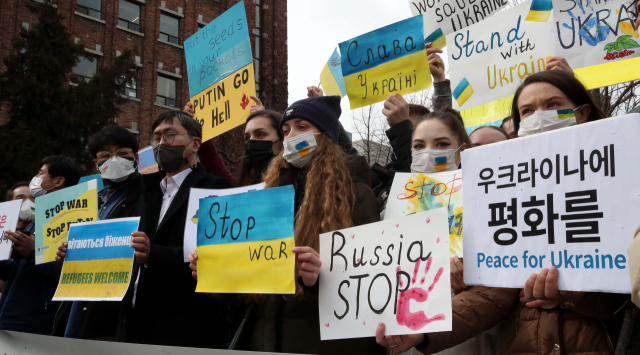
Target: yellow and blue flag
[[331, 76], [437, 39], [462, 92], [566, 113], [540, 11]]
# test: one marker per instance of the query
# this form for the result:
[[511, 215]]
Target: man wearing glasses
[[115, 152]]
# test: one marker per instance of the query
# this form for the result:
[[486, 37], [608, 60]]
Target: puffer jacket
[[291, 324], [566, 329]]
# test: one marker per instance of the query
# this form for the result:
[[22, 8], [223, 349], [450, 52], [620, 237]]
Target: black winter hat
[[323, 112]]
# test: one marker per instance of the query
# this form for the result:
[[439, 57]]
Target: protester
[[507, 126], [25, 304], [115, 153], [263, 142], [161, 306], [487, 135], [331, 192], [20, 191]]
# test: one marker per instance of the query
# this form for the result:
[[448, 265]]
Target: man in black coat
[[161, 306]]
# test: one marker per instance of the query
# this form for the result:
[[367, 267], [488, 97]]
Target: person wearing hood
[[25, 304], [115, 153], [332, 191]]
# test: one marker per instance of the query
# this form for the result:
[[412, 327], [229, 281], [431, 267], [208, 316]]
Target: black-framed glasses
[[167, 138]]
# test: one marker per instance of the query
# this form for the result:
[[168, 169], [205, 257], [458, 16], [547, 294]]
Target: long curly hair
[[328, 199]]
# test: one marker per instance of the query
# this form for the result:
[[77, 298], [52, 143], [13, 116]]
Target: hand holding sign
[[309, 264], [193, 263], [22, 243], [397, 343], [541, 290], [142, 246]]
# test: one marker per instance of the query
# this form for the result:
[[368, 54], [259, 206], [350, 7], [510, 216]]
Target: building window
[[91, 8], [85, 69], [201, 26], [257, 50], [131, 90], [129, 15], [169, 29], [166, 91]]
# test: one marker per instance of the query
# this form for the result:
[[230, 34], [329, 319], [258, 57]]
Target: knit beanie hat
[[323, 112]]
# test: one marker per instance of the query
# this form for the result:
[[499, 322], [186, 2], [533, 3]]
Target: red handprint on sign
[[417, 320]]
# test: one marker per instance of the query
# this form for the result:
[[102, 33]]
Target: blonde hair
[[329, 198]]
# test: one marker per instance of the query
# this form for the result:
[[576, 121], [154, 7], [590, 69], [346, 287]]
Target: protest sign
[[147, 163], [564, 198], [371, 273], [99, 259], [220, 70], [444, 17], [56, 211], [247, 250], [191, 224], [387, 60], [96, 177], [331, 76], [488, 60], [8, 221], [414, 193]]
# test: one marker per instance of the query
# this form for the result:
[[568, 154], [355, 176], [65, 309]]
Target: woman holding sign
[[332, 191]]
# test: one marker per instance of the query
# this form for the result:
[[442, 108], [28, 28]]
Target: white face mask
[[428, 161], [116, 169], [27, 210], [35, 187], [299, 150], [545, 121]]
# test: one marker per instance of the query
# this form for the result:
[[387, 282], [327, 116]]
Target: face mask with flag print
[[298, 151], [545, 121], [429, 161]]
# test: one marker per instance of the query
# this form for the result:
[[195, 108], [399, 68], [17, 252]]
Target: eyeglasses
[[167, 138], [122, 153]]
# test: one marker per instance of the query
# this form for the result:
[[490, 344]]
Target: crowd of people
[[335, 188]]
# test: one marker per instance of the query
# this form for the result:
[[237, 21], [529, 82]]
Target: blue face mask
[[545, 121]]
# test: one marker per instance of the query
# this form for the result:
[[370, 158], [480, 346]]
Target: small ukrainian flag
[[441, 163], [565, 113], [437, 39], [463, 92], [331, 77], [540, 11], [303, 148]]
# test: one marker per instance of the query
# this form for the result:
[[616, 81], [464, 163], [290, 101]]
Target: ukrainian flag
[[463, 92], [565, 113], [331, 76], [441, 163], [437, 39], [540, 10]]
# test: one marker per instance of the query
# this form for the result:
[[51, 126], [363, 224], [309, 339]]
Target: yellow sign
[[225, 105]]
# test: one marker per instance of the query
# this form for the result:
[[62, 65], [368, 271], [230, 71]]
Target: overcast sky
[[317, 26]]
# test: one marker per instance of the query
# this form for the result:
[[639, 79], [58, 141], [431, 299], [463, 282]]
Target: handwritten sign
[[9, 212], [387, 60], [57, 211], [372, 273], [444, 17], [191, 224], [553, 199], [98, 263], [147, 163], [489, 60], [414, 193], [247, 250]]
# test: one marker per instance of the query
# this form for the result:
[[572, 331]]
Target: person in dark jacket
[[332, 191], [115, 152], [161, 306], [25, 305]]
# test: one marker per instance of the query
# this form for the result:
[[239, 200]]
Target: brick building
[[157, 29]]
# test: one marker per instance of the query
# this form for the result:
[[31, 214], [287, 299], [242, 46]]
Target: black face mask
[[259, 154]]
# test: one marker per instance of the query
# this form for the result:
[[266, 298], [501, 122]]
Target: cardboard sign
[[565, 198], [245, 242], [147, 163], [414, 193], [8, 221], [395, 271], [57, 211], [191, 224], [488, 60], [99, 259], [444, 17], [387, 60]]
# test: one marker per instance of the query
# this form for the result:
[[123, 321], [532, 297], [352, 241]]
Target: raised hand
[[309, 263], [396, 109], [258, 106], [188, 109], [436, 65], [193, 263], [314, 91], [559, 63]]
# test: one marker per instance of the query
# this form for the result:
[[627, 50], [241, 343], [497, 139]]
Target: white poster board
[[191, 224], [568, 198], [8, 221], [414, 193], [395, 271], [489, 60]]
